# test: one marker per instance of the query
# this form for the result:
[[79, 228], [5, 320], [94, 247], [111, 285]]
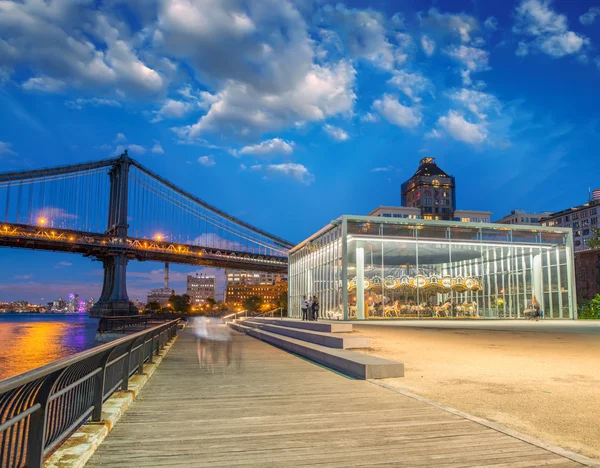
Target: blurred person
[[315, 308], [304, 307], [200, 329], [310, 308]]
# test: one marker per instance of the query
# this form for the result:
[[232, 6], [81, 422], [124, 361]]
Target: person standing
[[315, 308], [304, 307], [310, 308]]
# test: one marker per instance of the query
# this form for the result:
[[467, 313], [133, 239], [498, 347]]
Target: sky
[[289, 113]]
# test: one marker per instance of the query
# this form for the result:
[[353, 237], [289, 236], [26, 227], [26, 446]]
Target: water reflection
[[33, 340]]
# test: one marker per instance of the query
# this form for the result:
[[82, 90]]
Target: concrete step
[[347, 362], [331, 340], [326, 327]]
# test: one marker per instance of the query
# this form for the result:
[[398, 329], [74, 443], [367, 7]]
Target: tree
[[594, 241], [180, 303], [211, 302], [154, 305], [252, 303], [222, 306]]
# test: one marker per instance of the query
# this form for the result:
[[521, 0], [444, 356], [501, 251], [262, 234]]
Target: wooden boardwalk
[[277, 410]]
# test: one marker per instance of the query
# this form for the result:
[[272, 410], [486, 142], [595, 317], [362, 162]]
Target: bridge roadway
[[277, 410]]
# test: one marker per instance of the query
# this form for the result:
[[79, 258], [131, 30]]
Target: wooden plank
[[269, 408]]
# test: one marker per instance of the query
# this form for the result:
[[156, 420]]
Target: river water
[[28, 341]]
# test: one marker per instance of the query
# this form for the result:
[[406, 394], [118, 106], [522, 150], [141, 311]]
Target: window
[[576, 225], [427, 201], [586, 232], [534, 220], [585, 222], [444, 194], [577, 233], [577, 243], [522, 220], [575, 215], [594, 211], [387, 215], [566, 219], [594, 221], [445, 202]]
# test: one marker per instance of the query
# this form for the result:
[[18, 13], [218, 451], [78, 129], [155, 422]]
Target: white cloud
[[477, 102], [336, 133], [369, 117], [590, 16], [522, 49], [472, 58], [267, 148], [172, 109], [207, 161], [63, 264], [428, 45], [397, 114], [452, 24], [363, 34], [547, 30], [293, 170], [240, 108], [120, 137], [80, 103], [157, 148], [44, 84], [491, 23], [74, 45], [460, 129], [5, 149], [130, 147], [382, 169], [264, 45], [413, 85], [433, 134], [560, 45], [22, 277]]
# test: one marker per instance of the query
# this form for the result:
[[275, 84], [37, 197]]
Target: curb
[[576, 457], [81, 445]]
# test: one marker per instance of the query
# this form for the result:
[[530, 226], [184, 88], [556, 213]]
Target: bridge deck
[[277, 410]]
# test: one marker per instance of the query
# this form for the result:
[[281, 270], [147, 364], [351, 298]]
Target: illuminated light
[[42, 221], [71, 238], [158, 237]]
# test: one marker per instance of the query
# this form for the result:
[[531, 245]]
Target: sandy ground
[[542, 383]]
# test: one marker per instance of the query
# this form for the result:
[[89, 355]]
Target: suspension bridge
[[116, 210]]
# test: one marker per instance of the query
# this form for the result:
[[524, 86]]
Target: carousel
[[417, 296]]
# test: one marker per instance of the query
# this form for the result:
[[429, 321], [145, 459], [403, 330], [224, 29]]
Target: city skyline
[[349, 115]]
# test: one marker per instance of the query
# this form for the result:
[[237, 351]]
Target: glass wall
[[315, 269], [375, 268]]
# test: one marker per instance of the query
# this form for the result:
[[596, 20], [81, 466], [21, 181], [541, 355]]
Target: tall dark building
[[431, 190]]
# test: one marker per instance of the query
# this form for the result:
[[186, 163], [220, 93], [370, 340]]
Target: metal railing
[[41, 408]]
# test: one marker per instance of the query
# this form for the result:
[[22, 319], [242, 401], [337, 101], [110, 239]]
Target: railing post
[[99, 388], [126, 365], [142, 356], [36, 438]]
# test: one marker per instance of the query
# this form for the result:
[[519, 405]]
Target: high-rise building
[[431, 190], [253, 277], [243, 284], [430, 194], [237, 293], [582, 219], [200, 288], [523, 217]]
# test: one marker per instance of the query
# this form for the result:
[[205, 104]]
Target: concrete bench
[[351, 363], [315, 326], [331, 340]]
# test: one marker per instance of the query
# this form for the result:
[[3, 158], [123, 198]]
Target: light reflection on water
[[28, 341]]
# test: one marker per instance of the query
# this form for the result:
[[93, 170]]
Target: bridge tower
[[114, 300]]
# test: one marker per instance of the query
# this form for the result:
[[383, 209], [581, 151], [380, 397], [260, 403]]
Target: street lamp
[[42, 221]]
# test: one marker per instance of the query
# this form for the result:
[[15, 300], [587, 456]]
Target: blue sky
[[288, 113]]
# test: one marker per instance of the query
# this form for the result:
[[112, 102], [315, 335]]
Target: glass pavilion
[[363, 267]]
